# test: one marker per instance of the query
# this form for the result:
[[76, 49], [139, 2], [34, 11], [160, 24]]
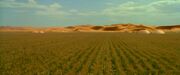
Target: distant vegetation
[[89, 54]]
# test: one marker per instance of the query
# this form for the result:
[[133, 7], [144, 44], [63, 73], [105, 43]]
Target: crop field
[[89, 53]]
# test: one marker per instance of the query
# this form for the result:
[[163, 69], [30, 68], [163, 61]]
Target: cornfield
[[89, 53]]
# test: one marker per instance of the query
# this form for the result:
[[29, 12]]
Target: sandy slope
[[131, 28]]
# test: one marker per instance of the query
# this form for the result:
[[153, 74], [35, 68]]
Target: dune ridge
[[130, 28]]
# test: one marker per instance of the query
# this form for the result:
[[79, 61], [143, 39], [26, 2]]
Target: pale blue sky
[[98, 12]]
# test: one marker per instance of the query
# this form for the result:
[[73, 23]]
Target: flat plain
[[89, 53]]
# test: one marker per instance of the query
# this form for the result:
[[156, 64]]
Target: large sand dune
[[131, 28]]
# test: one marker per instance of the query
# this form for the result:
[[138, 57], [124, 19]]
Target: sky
[[82, 12]]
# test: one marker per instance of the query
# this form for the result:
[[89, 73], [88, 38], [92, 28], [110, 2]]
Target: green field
[[79, 53]]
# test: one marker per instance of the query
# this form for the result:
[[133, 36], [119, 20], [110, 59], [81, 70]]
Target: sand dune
[[92, 28]]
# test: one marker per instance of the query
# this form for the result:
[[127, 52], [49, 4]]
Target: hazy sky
[[99, 12]]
